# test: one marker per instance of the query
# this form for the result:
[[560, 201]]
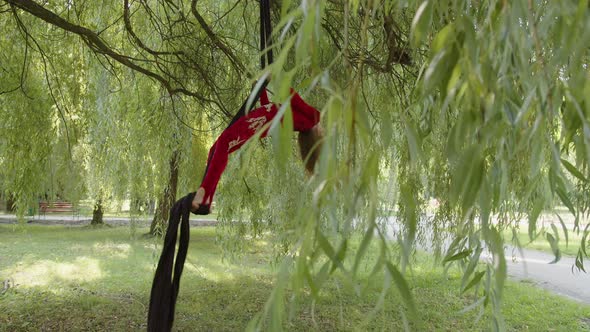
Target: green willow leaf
[[476, 279], [563, 228], [584, 242], [573, 170], [443, 38], [403, 288], [554, 248], [335, 257], [474, 260], [367, 238], [421, 22], [340, 255], [533, 217], [580, 261], [565, 199], [457, 256], [414, 143]]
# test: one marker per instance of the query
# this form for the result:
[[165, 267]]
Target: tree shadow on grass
[[204, 305], [87, 279], [100, 280]]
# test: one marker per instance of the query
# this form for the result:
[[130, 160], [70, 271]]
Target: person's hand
[[198, 200]]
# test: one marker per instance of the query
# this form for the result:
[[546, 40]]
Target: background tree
[[481, 105]]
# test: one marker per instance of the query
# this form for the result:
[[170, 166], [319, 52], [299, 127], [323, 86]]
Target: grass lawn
[[569, 248], [88, 279]]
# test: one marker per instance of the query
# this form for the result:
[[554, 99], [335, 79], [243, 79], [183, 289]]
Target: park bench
[[57, 207]]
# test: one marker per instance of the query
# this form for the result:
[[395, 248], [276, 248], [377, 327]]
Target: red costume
[[231, 139]]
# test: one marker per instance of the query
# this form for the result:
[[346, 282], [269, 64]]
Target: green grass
[[539, 242], [568, 248], [98, 279]]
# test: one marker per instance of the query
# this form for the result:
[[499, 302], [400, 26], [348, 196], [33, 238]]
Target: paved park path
[[559, 278], [69, 220], [533, 266]]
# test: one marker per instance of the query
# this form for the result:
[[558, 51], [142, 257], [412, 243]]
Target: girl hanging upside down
[[305, 120]]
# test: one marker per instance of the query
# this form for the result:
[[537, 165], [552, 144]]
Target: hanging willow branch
[[136, 39], [237, 64], [95, 43]]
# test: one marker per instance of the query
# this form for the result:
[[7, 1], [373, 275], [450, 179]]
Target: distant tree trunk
[[159, 223], [10, 203], [151, 206], [97, 214]]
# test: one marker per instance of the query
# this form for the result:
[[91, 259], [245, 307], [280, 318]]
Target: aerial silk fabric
[[166, 282]]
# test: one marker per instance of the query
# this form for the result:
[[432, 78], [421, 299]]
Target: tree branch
[[97, 44], [236, 63], [136, 39]]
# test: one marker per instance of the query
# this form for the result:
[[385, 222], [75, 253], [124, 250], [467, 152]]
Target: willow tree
[[37, 136], [100, 136], [481, 105]]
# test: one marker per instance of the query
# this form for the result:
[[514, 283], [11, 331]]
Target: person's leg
[[209, 156], [229, 141], [217, 161]]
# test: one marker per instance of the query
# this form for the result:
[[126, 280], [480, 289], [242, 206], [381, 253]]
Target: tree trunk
[[160, 221], [97, 214], [10, 203]]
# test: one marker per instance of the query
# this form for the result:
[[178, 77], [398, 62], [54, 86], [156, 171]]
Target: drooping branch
[[46, 72], [388, 36], [236, 63], [136, 39], [98, 45], [393, 41], [9, 90]]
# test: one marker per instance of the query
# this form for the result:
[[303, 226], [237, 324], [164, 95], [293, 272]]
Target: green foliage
[[481, 107]]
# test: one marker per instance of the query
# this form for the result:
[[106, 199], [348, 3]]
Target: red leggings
[[231, 139]]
